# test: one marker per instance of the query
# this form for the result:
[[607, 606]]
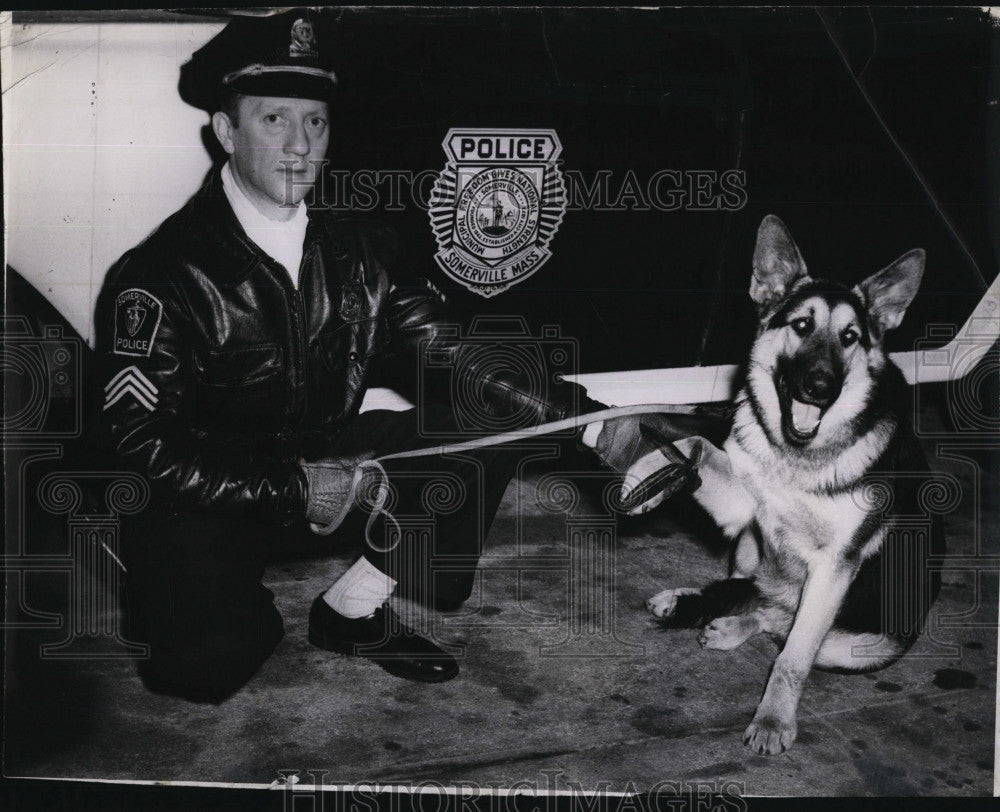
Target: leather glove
[[334, 485], [642, 449]]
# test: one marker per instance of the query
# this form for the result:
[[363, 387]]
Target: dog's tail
[[734, 596]]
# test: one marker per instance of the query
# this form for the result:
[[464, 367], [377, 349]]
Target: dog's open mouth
[[799, 420]]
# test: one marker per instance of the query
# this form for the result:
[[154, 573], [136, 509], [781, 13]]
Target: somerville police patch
[[137, 318], [496, 205]]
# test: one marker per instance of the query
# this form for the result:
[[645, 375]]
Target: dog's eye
[[802, 325], [849, 336]]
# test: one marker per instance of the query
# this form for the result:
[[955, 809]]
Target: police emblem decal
[[137, 318], [496, 205]]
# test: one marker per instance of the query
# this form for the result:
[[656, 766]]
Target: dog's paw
[[725, 633], [770, 735], [663, 604]]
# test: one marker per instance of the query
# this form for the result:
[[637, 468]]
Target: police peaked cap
[[286, 55]]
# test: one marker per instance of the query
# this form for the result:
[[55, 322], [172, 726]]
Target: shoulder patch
[[137, 318]]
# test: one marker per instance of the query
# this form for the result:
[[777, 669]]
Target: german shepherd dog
[[821, 446]]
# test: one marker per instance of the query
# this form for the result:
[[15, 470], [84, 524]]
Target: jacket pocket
[[241, 389], [238, 368], [338, 368], [333, 350]]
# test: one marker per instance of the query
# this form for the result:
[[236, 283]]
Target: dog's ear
[[777, 263], [888, 293]]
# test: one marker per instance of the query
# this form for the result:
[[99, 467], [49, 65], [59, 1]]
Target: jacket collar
[[219, 245]]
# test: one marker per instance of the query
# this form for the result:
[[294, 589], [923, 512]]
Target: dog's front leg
[[773, 728], [721, 493]]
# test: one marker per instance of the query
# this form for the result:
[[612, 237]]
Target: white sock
[[591, 433], [359, 591]]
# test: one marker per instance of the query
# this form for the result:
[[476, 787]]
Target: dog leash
[[375, 464]]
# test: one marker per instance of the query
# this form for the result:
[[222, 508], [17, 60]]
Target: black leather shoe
[[382, 638]]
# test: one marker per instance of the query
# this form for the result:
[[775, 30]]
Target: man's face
[[275, 149]]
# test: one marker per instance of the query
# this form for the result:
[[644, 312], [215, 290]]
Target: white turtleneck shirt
[[280, 240]]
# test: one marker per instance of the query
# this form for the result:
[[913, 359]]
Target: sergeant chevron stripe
[[131, 380]]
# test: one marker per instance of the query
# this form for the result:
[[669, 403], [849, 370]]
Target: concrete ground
[[566, 682]]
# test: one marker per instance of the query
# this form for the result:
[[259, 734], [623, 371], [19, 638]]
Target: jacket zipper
[[300, 310], [296, 302]]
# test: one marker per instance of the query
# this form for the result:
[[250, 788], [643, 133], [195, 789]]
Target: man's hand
[[334, 485], [655, 477], [643, 450]]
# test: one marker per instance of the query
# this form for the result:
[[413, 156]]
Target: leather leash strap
[[470, 445]]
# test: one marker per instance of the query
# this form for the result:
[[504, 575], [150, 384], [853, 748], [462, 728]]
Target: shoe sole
[[349, 649]]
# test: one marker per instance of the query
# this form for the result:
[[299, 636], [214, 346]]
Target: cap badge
[[303, 39]]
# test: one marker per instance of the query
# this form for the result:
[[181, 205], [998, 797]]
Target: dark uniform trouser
[[194, 591]]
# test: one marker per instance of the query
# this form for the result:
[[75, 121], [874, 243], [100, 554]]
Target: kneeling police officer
[[236, 343]]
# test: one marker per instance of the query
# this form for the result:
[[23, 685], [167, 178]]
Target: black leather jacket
[[220, 375]]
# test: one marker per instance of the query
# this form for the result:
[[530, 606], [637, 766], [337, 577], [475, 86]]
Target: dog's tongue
[[805, 416]]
